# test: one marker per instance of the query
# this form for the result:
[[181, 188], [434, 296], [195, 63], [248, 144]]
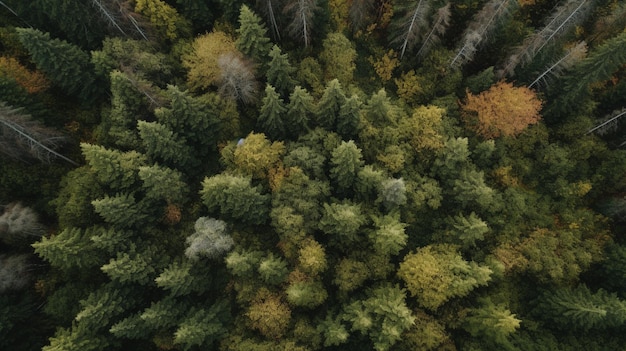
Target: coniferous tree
[[271, 115], [122, 210], [135, 266], [163, 184], [346, 162], [338, 56], [348, 118], [202, 327], [163, 145], [252, 41], [64, 64], [342, 221], [168, 23], [273, 270], [71, 248], [493, 323], [114, 169], [279, 71], [329, 105], [389, 237], [299, 112]]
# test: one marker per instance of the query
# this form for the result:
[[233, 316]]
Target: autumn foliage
[[502, 110], [33, 82]]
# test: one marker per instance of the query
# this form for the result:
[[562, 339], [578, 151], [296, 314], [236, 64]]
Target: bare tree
[[24, 139], [269, 8], [571, 57], [121, 18], [14, 274], [237, 79], [20, 224], [301, 13]]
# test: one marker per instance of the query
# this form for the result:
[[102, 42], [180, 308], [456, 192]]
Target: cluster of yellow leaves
[[385, 65], [203, 70], [256, 156], [33, 82], [269, 315], [409, 87], [312, 257], [424, 128], [163, 17], [502, 110], [339, 13]]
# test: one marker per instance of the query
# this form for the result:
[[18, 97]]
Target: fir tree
[[271, 116], [162, 144], [346, 162], [64, 64], [279, 71], [252, 41], [330, 104], [299, 112]]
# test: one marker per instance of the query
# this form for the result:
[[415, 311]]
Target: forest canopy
[[312, 175]]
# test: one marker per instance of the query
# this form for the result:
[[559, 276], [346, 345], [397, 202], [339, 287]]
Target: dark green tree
[[330, 104], [271, 115], [162, 144], [346, 162], [280, 71], [66, 65], [299, 112], [252, 41]]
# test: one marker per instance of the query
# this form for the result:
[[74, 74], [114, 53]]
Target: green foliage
[[383, 315], [271, 116], [71, 248], [494, 323], [280, 71], [121, 210], [342, 221], [273, 270], [299, 112], [582, 309], [306, 294], [183, 277], [162, 144], [132, 267], [436, 273], [338, 56], [389, 238], [252, 40], [202, 327], [350, 274], [114, 169], [66, 65], [329, 106], [162, 183], [346, 162], [333, 331], [234, 197]]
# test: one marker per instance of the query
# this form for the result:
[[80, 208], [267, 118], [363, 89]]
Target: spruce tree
[[271, 116], [329, 106], [279, 71], [299, 112], [162, 144], [252, 41], [346, 162], [66, 65]]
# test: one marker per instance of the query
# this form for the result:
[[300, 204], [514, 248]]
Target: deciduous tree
[[503, 110]]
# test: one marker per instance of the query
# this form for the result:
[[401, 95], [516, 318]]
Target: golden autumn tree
[[202, 62], [502, 110]]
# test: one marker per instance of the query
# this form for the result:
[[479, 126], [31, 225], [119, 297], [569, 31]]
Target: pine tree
[[115, 169], [349, 118], [346, 162], [271, 115], [163, 184], [306, 294], [71, 248], [184, 277], [252, 41], [133, 266], [494, 323], [202, 327], [163, 145], [436, 273], [393, 193], [582, 309], [465, 230], [312, 257], [329, 105], [235, 198], [273, 270], [169, 24], [299, 112], [122, 210], [279, 71], [66, 65], [350, 274], [342, 221], [389, 237]]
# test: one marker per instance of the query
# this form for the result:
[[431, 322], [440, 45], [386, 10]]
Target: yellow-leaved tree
[[32, 81], [502, 110], [202, 61]]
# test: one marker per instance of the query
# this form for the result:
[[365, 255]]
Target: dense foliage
[[312, 174]]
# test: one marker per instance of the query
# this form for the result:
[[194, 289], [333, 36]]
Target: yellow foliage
[[504, 176], [312, 257], [502, 110], [269, 315], [339, 13], [256, 156], [409, 86], [33, 82], [164, 18], [424, 128], [385, 65], [202, 61]]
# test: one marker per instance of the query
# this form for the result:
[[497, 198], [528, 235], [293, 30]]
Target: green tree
[[162, 144], [436, 273], [329, 105], [338, 56], [114, 169], [346, 162], [273, 270], [163, 184], [350, 274], [71, 248], [342, 221], [465, 230], [299, 111], [184, 277], [383, 315], [392, 193], [494, 323], [306, 294], [348, 118], [252, 40], [235, 198], [66, 65], [134, 266], [169, 24], [255, 156], [582, 309], [122, 210], [280, 71], [202, 327], [389, 237], [271, 115]]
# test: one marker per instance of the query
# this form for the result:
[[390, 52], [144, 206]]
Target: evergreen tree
[[122, 210], [348, 119], [279, 71], [64, 64], [252, 41], [494, 323], [465, 230], [184, 277], [389, 238], [329, 106], [235, 198], [163, 184], [269, 315], [306, 294], [271, 116], [71, 248], [202, 327], [342, 221], [299, 112], [582, 309], [164, 145], [346, 162], [114, 169], [273, 270], [338, 56], [134, 266]]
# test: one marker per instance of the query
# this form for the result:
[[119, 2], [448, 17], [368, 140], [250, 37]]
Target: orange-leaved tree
[[502, 110]]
